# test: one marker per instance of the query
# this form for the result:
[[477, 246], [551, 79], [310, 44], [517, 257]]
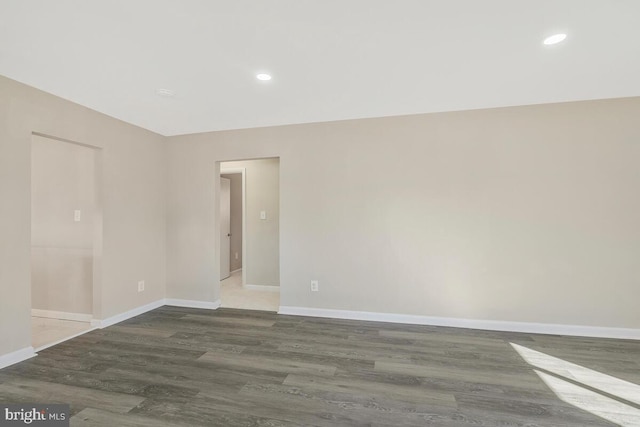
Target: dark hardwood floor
[[188, 367]]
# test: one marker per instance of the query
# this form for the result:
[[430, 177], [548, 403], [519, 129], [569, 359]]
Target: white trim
[[243, 172], [64, 315], [152, 306], [16, 356], [269, 288], [491, 325], [28, 352], [45, 346], [236, 270], [127, 314], [192, 303]]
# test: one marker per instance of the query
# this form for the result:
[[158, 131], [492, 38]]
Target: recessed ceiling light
[[167, 93], [556, 38], [264, 77]]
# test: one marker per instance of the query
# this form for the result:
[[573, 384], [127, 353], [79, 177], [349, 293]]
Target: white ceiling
[[330, 59]]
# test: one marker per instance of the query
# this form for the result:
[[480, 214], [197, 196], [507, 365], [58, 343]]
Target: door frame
[[97, 240], [243, 172], [225, 227]]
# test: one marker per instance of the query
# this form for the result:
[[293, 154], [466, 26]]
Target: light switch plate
[[263, 214]]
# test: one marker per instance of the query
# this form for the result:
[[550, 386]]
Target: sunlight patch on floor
[[575, 385]]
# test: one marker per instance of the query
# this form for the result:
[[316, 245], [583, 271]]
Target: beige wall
[[235, 259], [62, 181], [519, 214], [262, 240], [132, 182]]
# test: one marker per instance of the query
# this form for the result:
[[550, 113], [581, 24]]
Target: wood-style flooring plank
[[47, 392], [183, 367], [91, 417], [401, 393], [267, 364]]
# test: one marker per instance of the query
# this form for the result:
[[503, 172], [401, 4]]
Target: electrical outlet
[[77, 214], [236, 255], [314, 286], [141, 286]]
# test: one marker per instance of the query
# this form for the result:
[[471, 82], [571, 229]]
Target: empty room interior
[[320, 213]]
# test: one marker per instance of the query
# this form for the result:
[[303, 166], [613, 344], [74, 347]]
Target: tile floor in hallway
[[45, 331], [233, 295]]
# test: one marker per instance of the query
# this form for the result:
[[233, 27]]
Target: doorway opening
[[66, 230], [249, 229]]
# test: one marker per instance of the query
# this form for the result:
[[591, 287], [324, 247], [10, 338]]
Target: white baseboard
[[236, 270], [29, 352], [127, 314], [152, 306], [491, 325], [16, 356], [50, 314], [261, 288], [43, 347], [192, 304]]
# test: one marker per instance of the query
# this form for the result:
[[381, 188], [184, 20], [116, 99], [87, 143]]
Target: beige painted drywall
[[62, 181], [132, 167], [526, 213], [262, 194], [518, 214], [236, 220]]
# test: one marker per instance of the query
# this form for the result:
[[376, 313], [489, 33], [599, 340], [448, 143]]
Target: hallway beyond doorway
[[233, 295], [46, 331]]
